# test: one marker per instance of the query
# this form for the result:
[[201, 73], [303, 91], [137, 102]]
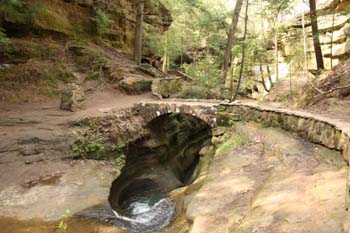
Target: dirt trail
[[31, 134]]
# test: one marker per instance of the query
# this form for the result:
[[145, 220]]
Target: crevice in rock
[[164, 160]]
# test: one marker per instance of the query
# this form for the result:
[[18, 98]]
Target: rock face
[[79, 18], [165, 88], [58, 38], [72, 98], [278, 183], [336, 48]]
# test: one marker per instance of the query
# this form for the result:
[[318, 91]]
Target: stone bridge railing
[[330, 132], [202, 110]]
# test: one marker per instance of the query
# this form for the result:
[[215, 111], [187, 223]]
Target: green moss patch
[[232, 139]]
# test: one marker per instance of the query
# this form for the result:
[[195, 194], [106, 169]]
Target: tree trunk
[[165, 58], [230, 39], [276, 57], [138, 34], [263, 79], [332, 37], [243, 52], [315, 35], [232, 75], [305, 43], [269, 76]]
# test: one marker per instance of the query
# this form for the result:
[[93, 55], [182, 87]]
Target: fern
[[3, 37], [103, 21]]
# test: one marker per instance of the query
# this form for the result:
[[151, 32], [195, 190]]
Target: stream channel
[[165, 160]]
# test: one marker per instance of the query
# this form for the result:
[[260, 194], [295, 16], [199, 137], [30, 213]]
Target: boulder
[[152, 71], [72, 98], [165, 88], [135, 85]]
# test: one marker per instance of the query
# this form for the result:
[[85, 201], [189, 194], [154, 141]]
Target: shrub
[[18, 11], [3, 37], [103, 20], [231, 140]]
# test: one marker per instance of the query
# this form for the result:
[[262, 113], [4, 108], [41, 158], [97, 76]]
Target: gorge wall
[[334, 29], [47, 44], [81, 19]]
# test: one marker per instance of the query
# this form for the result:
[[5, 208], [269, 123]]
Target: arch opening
[[166, 159]]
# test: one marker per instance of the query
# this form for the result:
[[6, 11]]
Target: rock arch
[[204, 112]]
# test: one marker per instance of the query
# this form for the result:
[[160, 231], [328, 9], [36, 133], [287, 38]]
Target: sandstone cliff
[[51, 43], [334, 28]]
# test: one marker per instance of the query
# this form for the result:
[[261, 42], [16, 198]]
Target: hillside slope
[[50, 43]]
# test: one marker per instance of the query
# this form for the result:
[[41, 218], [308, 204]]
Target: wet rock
[[178, 196], [43, 180], [47, 190], [72, 98], [158, 217]]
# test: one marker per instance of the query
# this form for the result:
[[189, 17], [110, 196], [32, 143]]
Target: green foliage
[[103, 21], [18, 11], [295, 56], [231, 140], [206, 79], [204, 40], [35, 72], [93, 143], [62, 225], [346, 10], [93, 146], [85, 148], [77, 31], [151, 41], [275, 8], [119, 161], [3, 37], [87, 59], [23, 50], [40, 77]]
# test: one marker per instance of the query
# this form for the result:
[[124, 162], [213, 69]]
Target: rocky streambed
[[267, 180], [182, 176]]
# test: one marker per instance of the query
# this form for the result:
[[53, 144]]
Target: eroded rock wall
[[333, 21], [332, 133], [80, 19]]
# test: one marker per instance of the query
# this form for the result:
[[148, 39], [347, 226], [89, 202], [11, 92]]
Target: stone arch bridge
[[206, 111]]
